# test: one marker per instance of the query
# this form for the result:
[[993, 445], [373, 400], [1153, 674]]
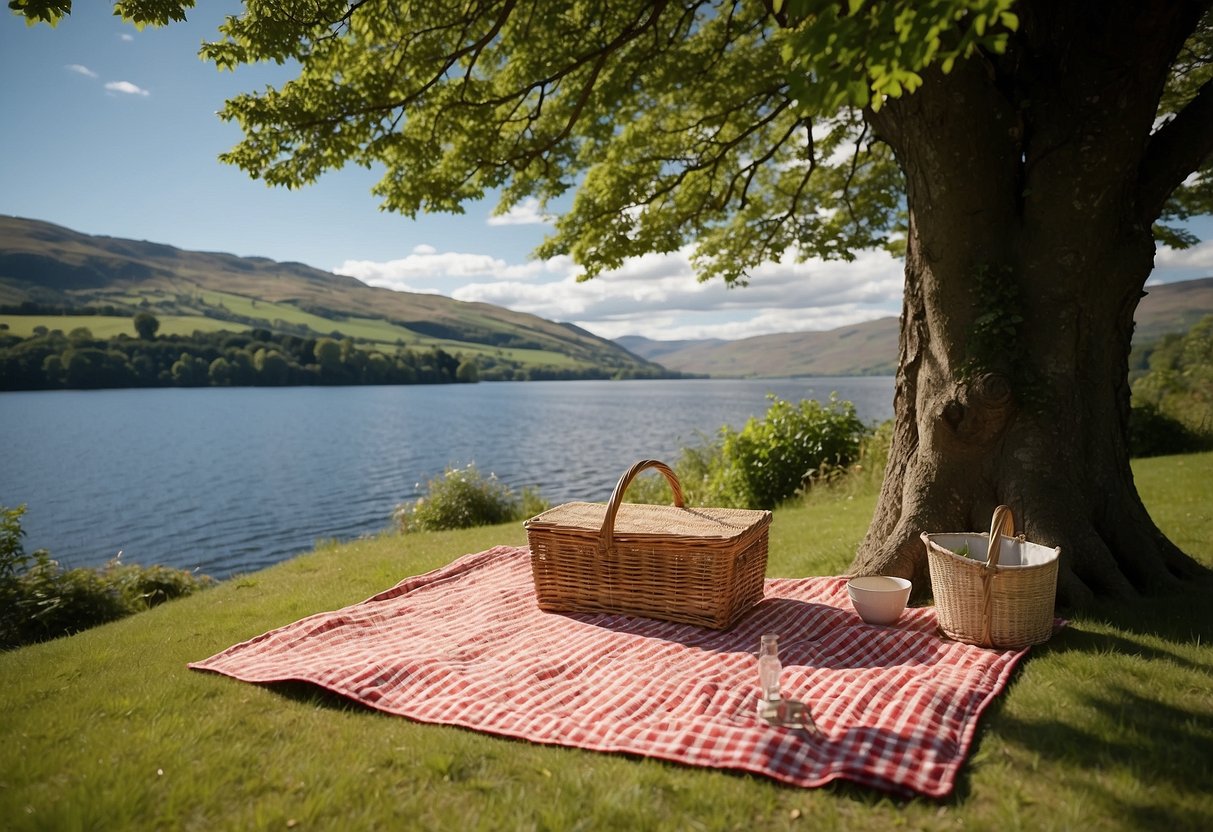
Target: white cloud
[[428, 270], [81, 70], [424, 263], [125, 87], [526, 212], [655, 295], [1171, 264], [1199, 256], [126, 36]]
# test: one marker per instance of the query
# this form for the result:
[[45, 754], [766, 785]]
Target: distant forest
[[51, 360]]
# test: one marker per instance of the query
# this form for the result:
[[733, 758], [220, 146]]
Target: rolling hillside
[[871, 348], [867, 349], [47, 270], [1172, 308]]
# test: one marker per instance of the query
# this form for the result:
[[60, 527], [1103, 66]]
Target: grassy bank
[[1109, 726]]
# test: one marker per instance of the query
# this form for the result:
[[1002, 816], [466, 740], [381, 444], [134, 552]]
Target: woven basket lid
[[635, 520]]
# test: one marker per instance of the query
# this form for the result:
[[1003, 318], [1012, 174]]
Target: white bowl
[[879, 599]]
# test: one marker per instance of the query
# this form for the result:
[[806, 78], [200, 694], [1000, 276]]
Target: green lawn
[[1109, 726]]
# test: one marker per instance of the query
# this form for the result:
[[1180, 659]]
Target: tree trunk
[[1027, 253]]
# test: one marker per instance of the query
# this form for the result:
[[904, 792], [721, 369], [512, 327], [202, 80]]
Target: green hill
[[49, 275]]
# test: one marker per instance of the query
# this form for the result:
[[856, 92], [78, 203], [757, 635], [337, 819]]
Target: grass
[[103, 326], [374, 332], [1108, 726]]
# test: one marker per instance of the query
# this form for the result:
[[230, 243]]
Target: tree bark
[[1029, 246]]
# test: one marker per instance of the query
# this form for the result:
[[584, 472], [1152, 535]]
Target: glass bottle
[[769, 667]]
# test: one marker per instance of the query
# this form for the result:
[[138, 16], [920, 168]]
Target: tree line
[[51, 360], [1173, 393]]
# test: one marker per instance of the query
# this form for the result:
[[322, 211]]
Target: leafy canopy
[[736, 126], [140, 12]]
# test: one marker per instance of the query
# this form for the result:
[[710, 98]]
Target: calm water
[[231, 480]]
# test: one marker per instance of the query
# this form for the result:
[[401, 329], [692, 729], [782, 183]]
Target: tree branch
[[1175, 150], [846, 186]]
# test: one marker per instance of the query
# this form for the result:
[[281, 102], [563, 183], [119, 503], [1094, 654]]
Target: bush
[[40, 600], [54, 602], [144, 587], [1173, 401], [462, 498], [768, 460], [1155, 433], [863, 476]]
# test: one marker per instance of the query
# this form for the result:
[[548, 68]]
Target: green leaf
[[41, 11], [858, 93]]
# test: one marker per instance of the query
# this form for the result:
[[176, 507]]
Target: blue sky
[[110, 130]]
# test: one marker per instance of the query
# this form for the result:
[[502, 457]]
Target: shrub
[[40, 600], [144, 587], [1173, 401], [694, 467], [771, 459], [462, 498], [1155, 433], [865, 474], [768, 460], [55, 602]]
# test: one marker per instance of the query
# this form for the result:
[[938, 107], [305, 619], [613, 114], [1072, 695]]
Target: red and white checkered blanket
[[896, 707]]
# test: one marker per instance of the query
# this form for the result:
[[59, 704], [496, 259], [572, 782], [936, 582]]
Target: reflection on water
[[231, 480]]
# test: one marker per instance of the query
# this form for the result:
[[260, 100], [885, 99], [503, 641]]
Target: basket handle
[[1002, 523], [608, 522]]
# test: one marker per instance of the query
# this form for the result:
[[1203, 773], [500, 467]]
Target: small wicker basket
[[1003, 601], [703, 566]]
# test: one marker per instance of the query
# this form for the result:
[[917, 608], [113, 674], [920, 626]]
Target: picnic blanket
[[896, 707]]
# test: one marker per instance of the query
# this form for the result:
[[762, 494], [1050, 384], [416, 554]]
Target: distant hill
[[47, 271], [867, 349], [654, 350], [871, 348], [1172, 308]]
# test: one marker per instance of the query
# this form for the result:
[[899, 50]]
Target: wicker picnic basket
[[1004, 600], [703, 566]]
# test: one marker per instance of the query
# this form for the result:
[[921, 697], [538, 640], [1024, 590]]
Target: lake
[[229, 480]]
